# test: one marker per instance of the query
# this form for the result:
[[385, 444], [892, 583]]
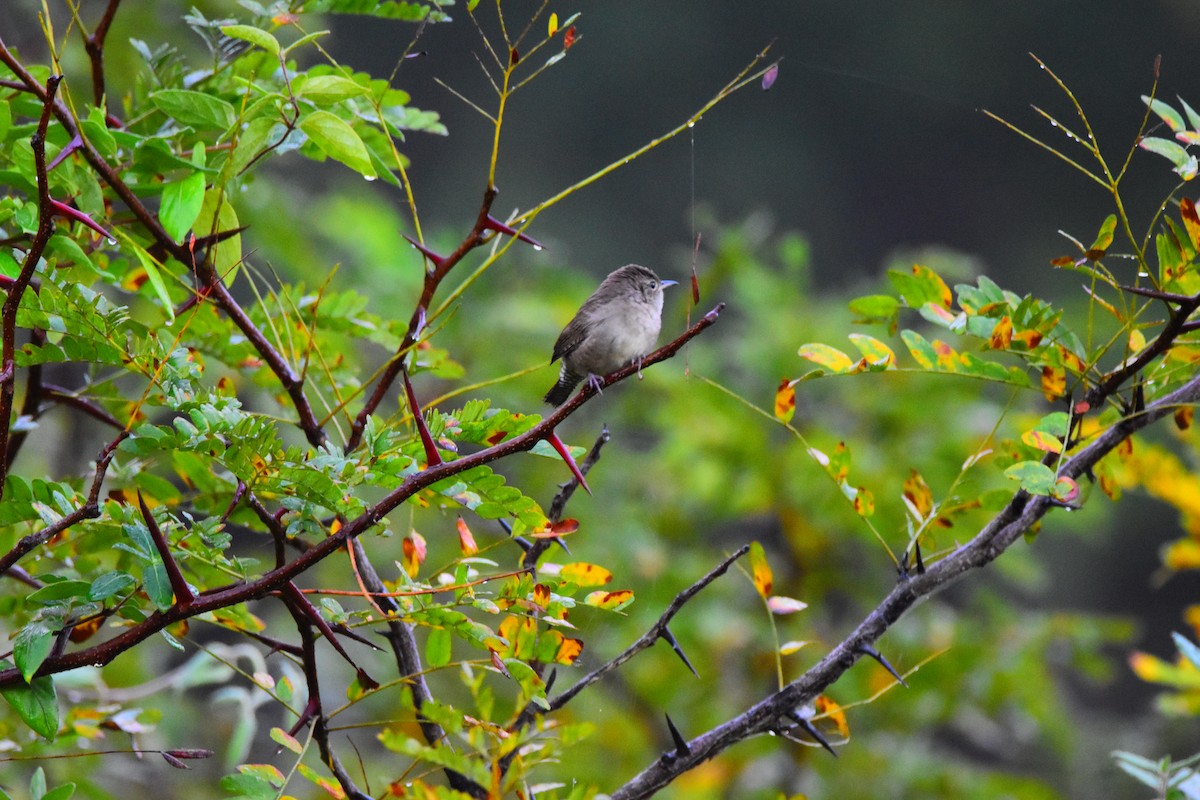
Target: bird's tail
[[559, 393]]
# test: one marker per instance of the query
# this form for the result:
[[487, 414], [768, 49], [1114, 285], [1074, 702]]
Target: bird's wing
[[569, 339]]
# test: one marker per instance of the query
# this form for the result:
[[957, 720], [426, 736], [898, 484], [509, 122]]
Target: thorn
[[493, 224], [868, 650], [72, 146], [64, 210], [681, 745], [920, 562], [432, 457], [437, 260], [550, 681], [669, 638], [812, 731], [562, 450]]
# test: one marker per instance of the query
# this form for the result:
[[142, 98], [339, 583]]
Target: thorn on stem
[[681, 745], [437, 261], [670, 639], [807, 726], [493, 224], [565, 452], [868, 650], [432, 457]]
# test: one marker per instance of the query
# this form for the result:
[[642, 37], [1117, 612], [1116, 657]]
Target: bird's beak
[[665, 284]]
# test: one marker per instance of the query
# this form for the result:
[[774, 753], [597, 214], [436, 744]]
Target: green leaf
[[37, 704], [110, 584], [255, 36], [154, 276], [32, 646], [1105, 237], [337, 139], [59, 590], [1193, 117], [875, 307], [9, 267], [825, 356], [328, 89], [1034, 476], [217, 215], [1169, 115], [181, 204], [195, 108], [437, 647], [157, 585]]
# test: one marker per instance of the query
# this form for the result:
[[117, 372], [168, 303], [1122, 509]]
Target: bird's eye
[[653, 284]]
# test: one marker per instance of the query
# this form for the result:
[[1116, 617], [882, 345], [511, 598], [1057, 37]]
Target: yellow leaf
[[918, 494], [1054, 382], [1040, 440], [611, 601], [1002, 334], [413, 550], [1191, 221], [1137, 341], [825, 356], [787, 648], [760, 570], [876, 353], [785, 401], [568, 650], [1182, 554], [583, 574], [553, 26]]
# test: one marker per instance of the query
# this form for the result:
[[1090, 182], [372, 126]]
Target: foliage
[[228, 534]]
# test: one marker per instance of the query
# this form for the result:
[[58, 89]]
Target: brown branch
[[108, 650], [433, 279], [408, 662], [1006, 528], [69, 398], [8, 314], [89, 510], [183, 592], [94, 45], [657, 631]]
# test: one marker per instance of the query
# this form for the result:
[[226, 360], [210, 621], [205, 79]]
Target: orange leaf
[[785, 401], [1002, 334], [827, 708], [1182, 554], [586, 574], [568, 650], [1183, 417], [413, 548], [918, 493], [760, 570], [466, 541], [1054, 382], [541, 595], [569, 38]]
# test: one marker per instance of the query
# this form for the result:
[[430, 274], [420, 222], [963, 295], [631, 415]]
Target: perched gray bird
[[616, 326]]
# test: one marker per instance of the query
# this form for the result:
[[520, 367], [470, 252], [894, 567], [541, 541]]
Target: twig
[[652, 635], [993, 539]]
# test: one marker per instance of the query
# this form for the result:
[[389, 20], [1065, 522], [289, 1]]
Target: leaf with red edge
[[1191, 221], [610, 601], [568, 650], [760, 570], [569, 38], [785, 401], [1041, 440], [1002, 334], [466, 540]]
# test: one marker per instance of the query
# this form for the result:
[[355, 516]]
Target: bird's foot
[[638, 362], [596, 382]]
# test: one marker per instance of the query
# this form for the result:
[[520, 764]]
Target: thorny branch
[[1005, 529]]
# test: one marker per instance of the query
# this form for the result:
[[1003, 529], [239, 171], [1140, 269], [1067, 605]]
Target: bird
[[617, 325]]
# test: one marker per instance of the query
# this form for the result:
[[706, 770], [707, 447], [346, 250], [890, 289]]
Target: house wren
[[616, 326]]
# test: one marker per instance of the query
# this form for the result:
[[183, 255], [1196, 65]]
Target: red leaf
[[569, 38]]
